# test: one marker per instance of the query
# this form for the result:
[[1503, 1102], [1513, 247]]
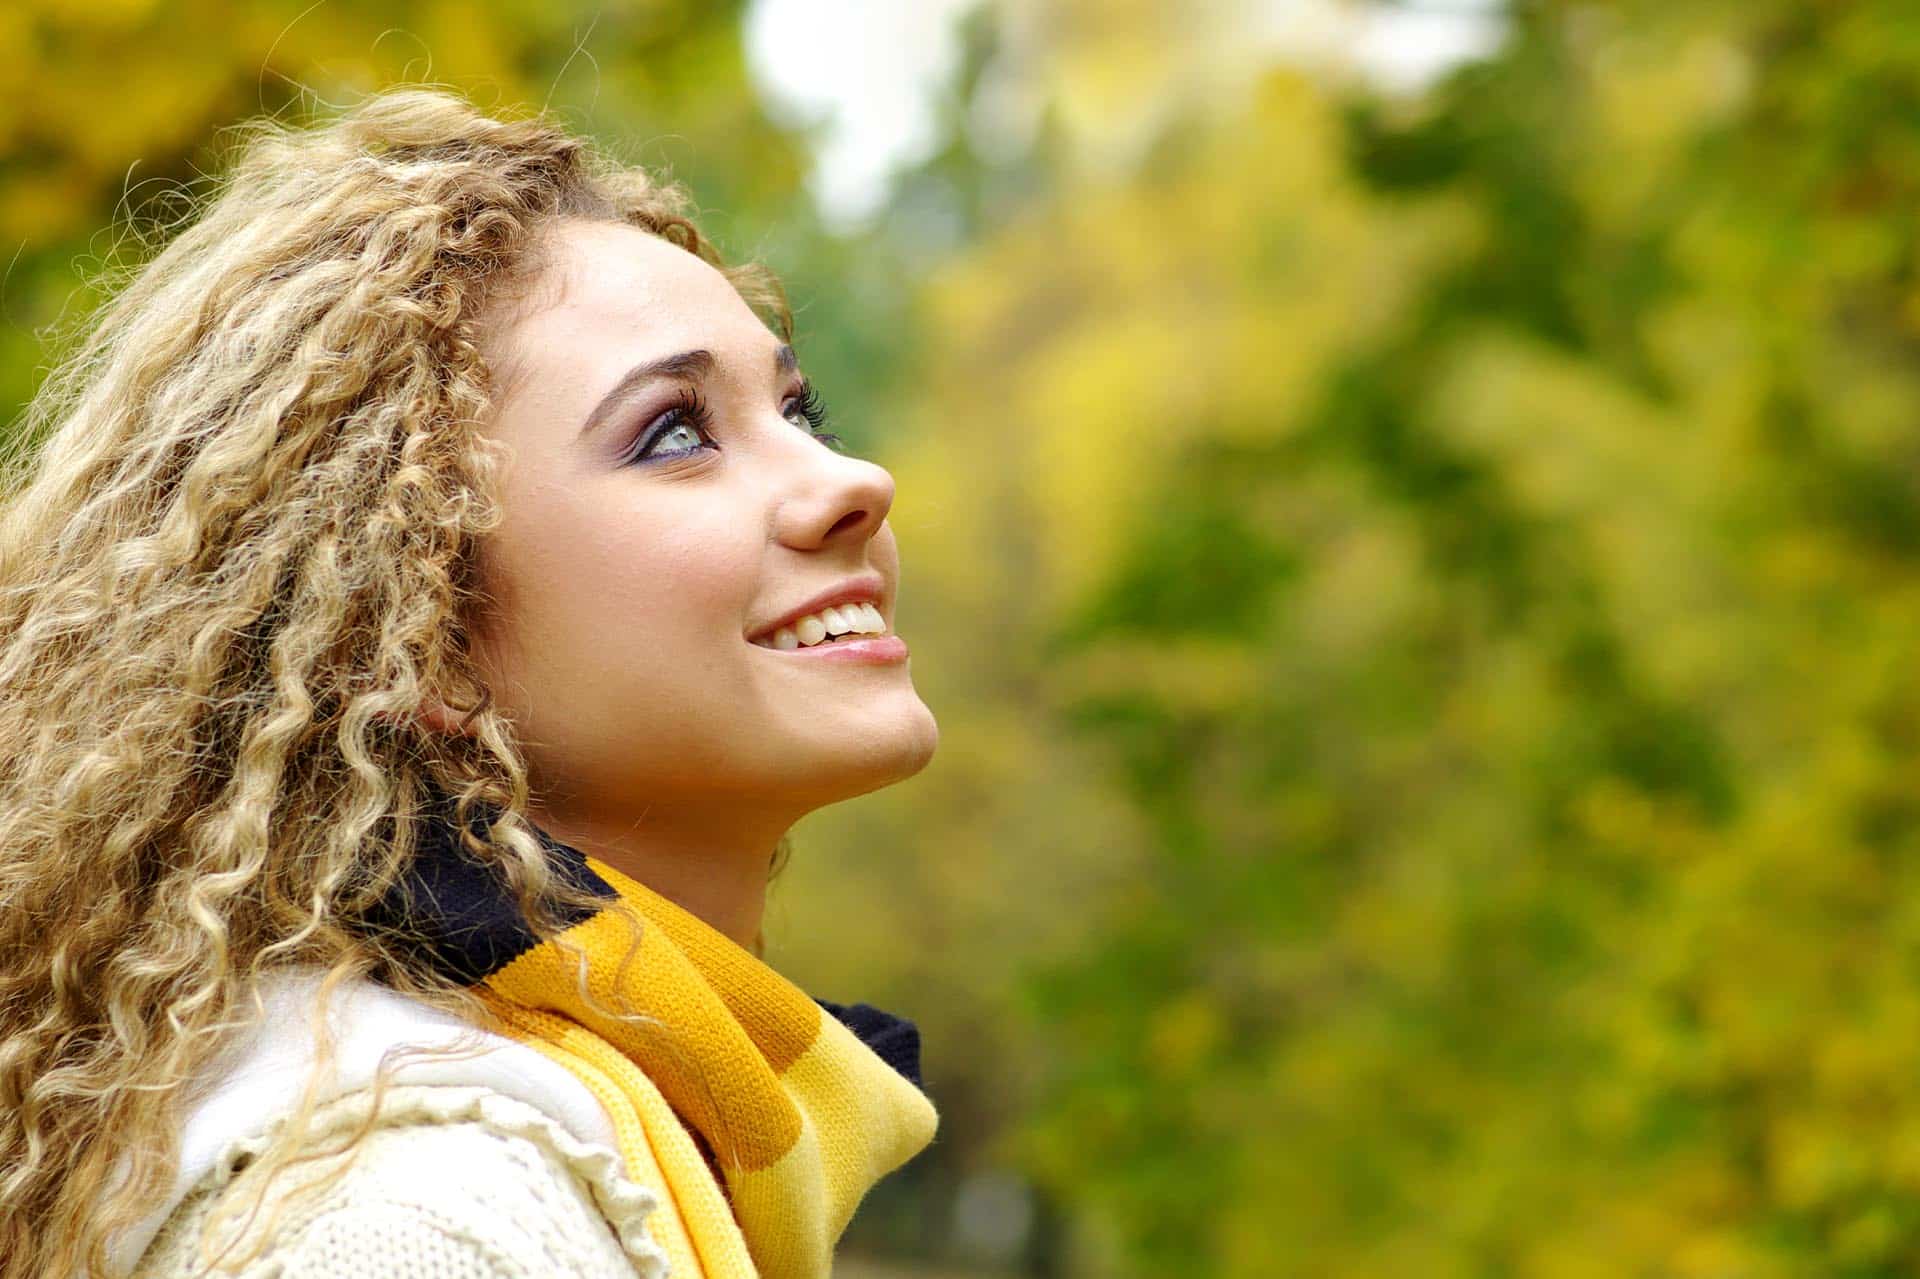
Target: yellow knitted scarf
[[761, 1117]]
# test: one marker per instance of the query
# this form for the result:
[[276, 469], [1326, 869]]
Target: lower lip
[[878, 650]]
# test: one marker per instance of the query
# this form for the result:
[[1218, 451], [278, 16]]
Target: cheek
[[632, 577], [622, 610], [885, 551]]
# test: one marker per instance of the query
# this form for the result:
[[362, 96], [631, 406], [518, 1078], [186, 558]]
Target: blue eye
[[814, 410], [689, 418]]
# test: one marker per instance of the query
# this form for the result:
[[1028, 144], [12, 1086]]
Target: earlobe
[[432, 715]]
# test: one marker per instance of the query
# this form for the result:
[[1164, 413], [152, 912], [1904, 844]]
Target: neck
[[709, 862]]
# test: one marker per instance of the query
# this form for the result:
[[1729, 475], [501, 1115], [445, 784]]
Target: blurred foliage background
[[1420, 582]]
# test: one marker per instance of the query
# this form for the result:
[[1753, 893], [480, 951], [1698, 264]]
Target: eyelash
[[815, 410], [690, 409]]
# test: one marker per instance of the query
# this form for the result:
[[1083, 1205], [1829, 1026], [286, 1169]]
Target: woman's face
[[640, 554]]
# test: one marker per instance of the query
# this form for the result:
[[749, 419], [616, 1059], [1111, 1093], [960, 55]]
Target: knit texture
[[761, 1112], [455, 1183]]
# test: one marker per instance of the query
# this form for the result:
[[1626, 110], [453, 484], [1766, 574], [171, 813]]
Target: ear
[[432, 715], [435, 715]]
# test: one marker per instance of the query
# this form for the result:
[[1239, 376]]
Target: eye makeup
[[689, 410], [815, 410]]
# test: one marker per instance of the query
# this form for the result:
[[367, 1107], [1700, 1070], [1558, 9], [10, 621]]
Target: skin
[[658, 738]]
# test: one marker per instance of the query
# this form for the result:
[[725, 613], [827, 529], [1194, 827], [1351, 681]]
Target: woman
[[429, 599]]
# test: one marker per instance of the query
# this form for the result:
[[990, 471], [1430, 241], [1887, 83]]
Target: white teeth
[[841, 619]]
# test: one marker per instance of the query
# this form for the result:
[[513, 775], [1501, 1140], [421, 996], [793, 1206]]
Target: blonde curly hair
[[240, 527]]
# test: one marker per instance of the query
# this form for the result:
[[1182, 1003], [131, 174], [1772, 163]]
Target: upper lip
[[866, 587]]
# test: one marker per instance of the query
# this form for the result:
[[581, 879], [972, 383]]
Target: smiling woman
[[667, 500], [431, 600]]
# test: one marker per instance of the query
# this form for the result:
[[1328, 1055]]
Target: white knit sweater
[[456, 1183], [502, 1164]]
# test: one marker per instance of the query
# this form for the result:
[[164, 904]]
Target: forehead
[[607, 284]]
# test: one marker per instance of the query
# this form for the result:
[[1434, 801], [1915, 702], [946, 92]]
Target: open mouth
[[840, 624]]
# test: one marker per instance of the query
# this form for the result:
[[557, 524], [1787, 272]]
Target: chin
[[881, 760]]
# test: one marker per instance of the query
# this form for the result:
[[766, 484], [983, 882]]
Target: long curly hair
[[241, 534]]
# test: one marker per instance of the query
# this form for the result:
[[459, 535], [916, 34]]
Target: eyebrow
[[685, 366]]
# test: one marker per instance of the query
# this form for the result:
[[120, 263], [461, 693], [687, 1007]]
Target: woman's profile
[[429, 594]]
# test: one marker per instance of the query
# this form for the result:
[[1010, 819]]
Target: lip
[[867, 587], [874, 650]]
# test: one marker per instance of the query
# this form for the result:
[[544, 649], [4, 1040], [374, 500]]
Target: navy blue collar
[[895, 1039], [458, 919]]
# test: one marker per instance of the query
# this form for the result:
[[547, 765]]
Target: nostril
[[852, 519]]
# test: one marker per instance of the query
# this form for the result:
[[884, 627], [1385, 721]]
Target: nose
[[838, 499]]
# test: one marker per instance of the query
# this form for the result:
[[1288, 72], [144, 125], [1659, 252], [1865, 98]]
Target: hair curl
[[239, 536]]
